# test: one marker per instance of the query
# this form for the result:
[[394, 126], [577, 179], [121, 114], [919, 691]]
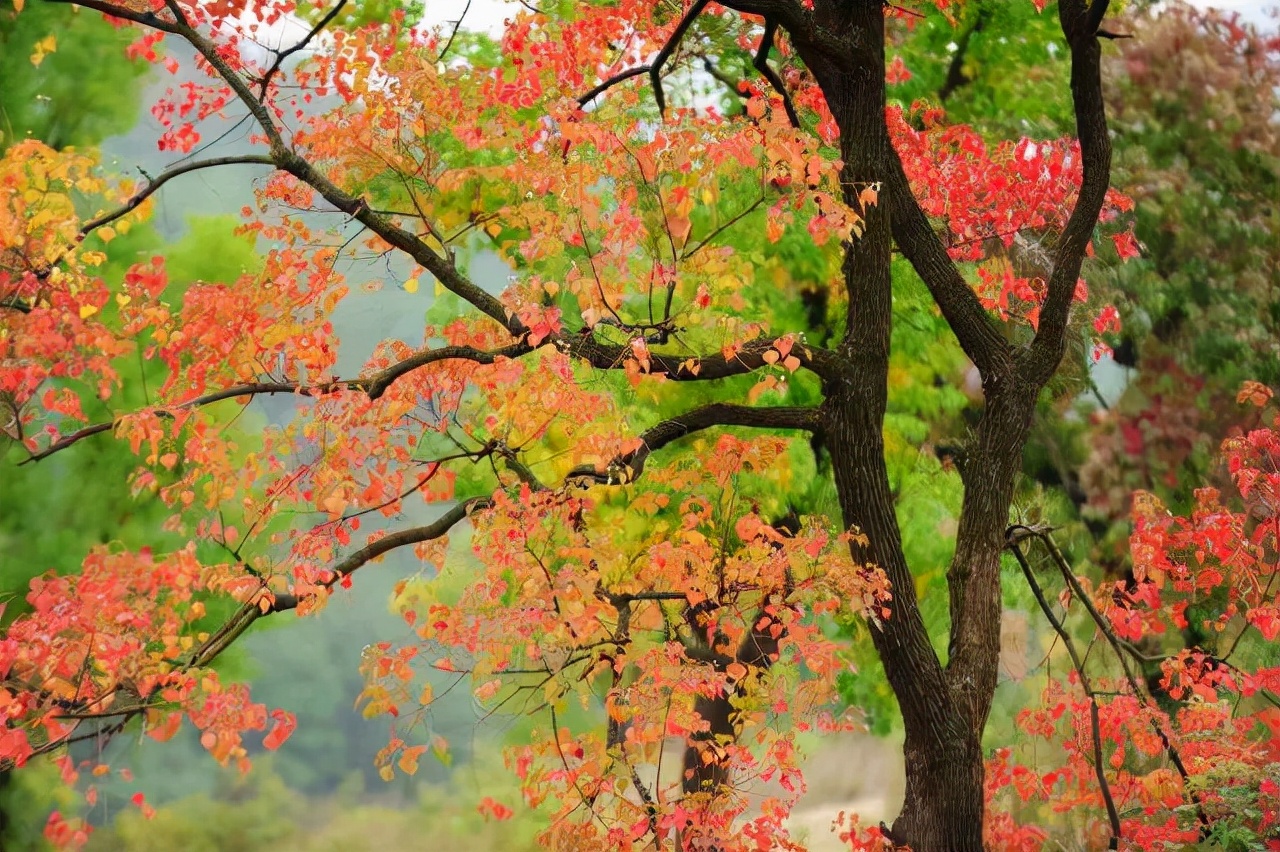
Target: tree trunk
[[944, 801], [944, 707]]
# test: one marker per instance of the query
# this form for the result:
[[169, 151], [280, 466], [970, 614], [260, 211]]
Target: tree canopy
[[748, 403]]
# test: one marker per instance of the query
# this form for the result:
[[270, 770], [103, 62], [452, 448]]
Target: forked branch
[[669, 48], [780, 11], [114, 720], [761, 64], [287, 159], [265, 83]]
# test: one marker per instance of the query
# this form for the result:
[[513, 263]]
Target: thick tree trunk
[[944, 802], [944, 707]]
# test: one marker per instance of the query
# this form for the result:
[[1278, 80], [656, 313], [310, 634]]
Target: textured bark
[[944, 707]]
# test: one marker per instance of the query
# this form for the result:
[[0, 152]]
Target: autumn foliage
[[602, 463]]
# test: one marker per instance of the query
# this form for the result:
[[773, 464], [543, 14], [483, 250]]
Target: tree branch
[[1077, 663], [415, 535], [1118, 647], [668, 48], [146, 19], [608, 83], [761, 64], [376, 385], [955, 71], [260, 605], [372, 386], [973, 327], [629, 466], [281, 56], [748, 357], [790, 14], [1080, 22], [154, 183], [289, 160]]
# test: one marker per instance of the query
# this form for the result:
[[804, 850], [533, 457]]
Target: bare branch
[[1077, 663], [403, 538], [629, 466], [154, 183], [457, 25], [265, 82]]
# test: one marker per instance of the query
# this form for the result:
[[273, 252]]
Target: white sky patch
[[1262, 15], [487, 16]]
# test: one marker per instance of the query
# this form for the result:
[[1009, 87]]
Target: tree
[[69, 82], [654, 246]]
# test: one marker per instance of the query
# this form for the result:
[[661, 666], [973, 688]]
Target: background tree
[[664, 588], [68, 80]]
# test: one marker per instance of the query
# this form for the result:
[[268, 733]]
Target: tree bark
[[944, 707]]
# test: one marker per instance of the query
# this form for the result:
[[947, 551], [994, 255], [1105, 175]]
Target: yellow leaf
[[411, 286], [43, 47], [335, 504], [87, 311], [408, 762]]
